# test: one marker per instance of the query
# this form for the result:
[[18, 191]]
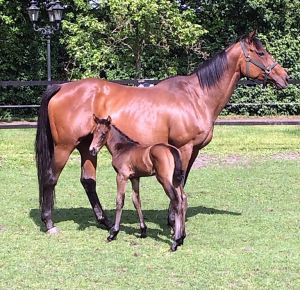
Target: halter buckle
[[268, 70]]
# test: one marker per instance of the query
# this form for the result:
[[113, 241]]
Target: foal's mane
[[123, 138]]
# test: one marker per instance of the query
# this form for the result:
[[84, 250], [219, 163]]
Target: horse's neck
[[217, 96]]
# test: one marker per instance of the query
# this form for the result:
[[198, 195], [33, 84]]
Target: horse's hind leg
[[137, 204], [60, 157], [88, 181], [176, 209]]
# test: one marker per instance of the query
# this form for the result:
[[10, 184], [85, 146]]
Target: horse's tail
[[178, 175], [44, 142]]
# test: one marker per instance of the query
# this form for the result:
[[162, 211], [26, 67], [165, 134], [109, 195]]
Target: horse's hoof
[[53, 231], [111, 238]]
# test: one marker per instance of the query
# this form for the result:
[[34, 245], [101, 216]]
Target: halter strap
[[266, 69]]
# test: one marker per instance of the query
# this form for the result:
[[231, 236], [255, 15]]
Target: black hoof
[[112, 234], [174, 247], [176, 244], [143, 233], [111, 238], [180, 241]]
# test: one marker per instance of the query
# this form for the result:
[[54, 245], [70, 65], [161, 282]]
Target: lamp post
[[55, 12]]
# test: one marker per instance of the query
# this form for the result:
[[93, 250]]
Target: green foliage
[[129, 39], [268, 101], [146, 39]]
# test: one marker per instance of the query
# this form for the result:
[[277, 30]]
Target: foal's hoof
[[143, 233], [174, 247], [53, 231], [177, 243], [110, 238], [112, 235]]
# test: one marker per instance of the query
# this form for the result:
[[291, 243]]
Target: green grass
[[242, 228]]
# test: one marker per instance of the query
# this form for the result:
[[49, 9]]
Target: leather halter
[[266, 69]]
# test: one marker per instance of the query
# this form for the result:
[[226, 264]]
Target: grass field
[[243, 221]]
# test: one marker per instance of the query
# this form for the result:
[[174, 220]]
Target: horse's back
[[71, 110]]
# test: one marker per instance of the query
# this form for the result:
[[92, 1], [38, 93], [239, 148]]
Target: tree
[[131, 38]]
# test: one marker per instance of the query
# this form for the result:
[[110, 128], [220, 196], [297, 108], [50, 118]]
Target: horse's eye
[[260, 53]]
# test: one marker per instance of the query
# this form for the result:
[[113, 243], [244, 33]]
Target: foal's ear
[[96, 119], [108, 120]]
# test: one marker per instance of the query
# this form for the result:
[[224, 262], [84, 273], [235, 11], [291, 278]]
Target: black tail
[[178, 175], [44, 142]]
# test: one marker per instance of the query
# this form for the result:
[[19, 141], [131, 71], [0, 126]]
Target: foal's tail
[[44, 142], [178, 175]]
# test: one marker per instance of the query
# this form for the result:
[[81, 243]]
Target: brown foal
[[132, 161]]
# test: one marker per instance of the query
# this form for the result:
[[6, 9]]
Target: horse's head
[[100, 134], [257, 63]]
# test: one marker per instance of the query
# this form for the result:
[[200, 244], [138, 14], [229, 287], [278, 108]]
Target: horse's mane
[[210, 71]]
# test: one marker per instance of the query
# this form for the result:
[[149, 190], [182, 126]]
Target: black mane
[[210, 71], [123, 140]]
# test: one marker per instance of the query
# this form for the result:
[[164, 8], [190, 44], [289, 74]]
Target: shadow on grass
[[84, 218]]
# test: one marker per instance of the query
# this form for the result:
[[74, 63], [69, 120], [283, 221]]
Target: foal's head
[[100, 134]]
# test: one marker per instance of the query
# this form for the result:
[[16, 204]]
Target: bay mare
[[131, 161], [180, 111]]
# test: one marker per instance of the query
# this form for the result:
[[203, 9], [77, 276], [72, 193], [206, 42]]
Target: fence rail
[[288, 121], [123, 82]]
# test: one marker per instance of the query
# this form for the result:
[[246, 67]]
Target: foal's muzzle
[[93, 152]]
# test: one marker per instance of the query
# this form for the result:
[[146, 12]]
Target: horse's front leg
[[88, 181], [137, 204], [121, 187]]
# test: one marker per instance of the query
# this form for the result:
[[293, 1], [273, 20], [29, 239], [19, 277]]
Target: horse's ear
[[108, 120], [251, 36]]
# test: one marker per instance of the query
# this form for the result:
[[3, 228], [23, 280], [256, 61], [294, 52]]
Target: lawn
[[243, 221]]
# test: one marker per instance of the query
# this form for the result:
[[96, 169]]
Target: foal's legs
[[88, 181], [137, 204], [121, 187], [59, 159]]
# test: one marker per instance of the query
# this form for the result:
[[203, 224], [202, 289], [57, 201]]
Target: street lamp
[[55, 12]]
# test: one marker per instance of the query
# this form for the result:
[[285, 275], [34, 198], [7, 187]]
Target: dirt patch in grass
[[204, 160]]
